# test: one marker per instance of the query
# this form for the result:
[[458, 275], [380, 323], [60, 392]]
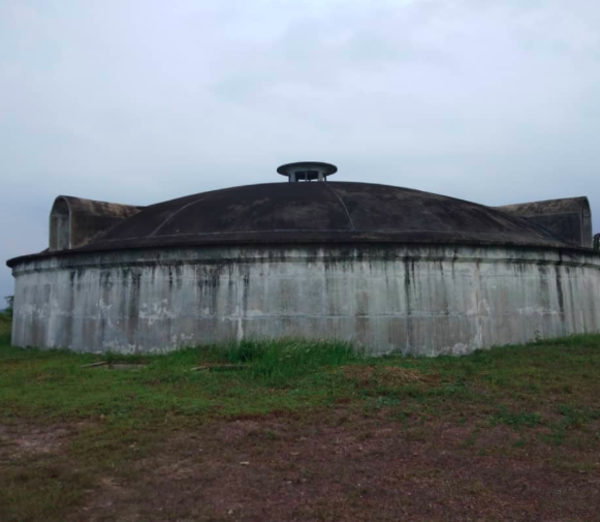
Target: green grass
[[40, 488], [547, 390], [510, 383], [277, 375], [5, 320], [516, 418]]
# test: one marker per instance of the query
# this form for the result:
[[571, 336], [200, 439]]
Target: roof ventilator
[[307, 171]]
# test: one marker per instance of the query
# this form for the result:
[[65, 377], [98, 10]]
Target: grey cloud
[[140, 101]]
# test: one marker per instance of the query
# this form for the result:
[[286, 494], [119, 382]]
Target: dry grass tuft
[[386, 375]]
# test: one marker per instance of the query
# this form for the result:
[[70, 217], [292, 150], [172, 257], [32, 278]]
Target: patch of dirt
[[25, 438], [386, 375], [342, 466]]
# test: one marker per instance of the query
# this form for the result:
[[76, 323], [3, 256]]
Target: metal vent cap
[[307, 170]]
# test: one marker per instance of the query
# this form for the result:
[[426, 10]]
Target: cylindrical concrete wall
[[423, 300]]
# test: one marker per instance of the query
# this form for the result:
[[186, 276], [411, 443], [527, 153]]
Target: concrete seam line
[[343, 204], [173, 215]]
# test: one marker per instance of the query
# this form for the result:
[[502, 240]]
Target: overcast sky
[[495, 101]]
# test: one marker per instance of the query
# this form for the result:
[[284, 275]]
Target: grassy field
[[296, 430]]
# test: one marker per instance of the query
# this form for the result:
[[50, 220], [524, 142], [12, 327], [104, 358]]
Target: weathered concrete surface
[[425, 300], [74, 222], [568, 219]]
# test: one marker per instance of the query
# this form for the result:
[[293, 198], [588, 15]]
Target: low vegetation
[[109, 422], [5, 320]]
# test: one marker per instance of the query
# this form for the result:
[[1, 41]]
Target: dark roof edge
[[532, 208], [348, 241]]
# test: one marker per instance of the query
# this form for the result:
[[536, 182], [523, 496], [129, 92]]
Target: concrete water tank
[[389, 268]]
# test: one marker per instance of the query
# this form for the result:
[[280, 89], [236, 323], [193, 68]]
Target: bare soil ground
[[336, 466], [302, 432]]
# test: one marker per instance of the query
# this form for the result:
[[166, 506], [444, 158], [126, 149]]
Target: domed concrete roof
[[318, 213]]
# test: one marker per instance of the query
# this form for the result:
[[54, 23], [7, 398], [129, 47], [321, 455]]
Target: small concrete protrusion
[[307, 171], [568, 219], [75, 221]]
